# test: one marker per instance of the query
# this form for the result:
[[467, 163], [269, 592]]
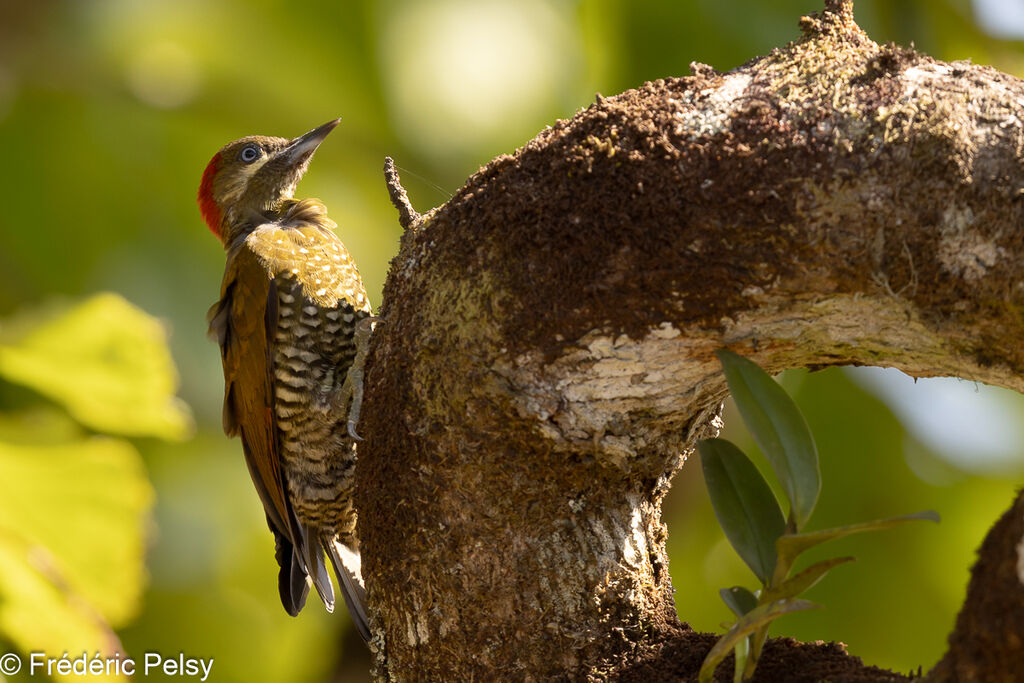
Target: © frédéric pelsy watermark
[[117, 664]]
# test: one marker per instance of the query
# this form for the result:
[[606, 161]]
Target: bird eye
[[250, 153]]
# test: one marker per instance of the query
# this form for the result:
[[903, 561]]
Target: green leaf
[[73, 514], [744, 504], [38, 615], [104, 360], [792, 587], [791, 545], [745, 626], [39, 426], [738, 599], [779, 430]]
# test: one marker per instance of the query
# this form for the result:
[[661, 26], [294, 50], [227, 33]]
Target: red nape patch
[[207, 204]]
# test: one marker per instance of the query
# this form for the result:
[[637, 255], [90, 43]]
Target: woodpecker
[[290, 304]]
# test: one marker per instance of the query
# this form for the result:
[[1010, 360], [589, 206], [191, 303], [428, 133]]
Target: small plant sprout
[[753, 521]]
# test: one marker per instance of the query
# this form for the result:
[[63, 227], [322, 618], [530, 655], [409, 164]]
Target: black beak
[[302, 147]]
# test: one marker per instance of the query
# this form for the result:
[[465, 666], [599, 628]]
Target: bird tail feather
[[315, 567], [350, 579]]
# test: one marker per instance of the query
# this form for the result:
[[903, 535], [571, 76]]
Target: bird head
[[254, 175]]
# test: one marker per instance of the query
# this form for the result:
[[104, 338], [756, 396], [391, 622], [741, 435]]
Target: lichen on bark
[[546, 358]]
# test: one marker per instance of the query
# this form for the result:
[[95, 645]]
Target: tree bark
[[545, 360]]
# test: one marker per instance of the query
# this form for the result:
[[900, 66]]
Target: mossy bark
[[545, 358]]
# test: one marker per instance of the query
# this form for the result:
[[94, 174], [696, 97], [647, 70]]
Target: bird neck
[[288, 213], [303, 211]]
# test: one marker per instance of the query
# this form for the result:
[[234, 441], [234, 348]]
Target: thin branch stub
[[407, 216]]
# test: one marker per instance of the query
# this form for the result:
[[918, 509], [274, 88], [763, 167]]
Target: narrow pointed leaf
[[744, 627], [792, 587], [791, 545], [738, 599], [744, 504], [779, 430]]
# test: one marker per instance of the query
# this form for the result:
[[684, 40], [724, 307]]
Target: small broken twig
[[407, 215]]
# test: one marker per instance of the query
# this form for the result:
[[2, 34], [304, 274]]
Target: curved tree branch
[[546, 359]]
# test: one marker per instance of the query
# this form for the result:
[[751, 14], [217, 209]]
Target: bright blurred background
[[110, 109]]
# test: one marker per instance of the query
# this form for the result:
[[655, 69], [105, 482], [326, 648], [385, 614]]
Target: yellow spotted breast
[[301, 244]]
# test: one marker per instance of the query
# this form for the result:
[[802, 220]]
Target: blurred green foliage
[[105, 361], [74, 504], [110, 109]]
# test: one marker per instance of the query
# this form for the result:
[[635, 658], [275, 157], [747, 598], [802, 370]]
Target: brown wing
[[244, 321], [240, 321]]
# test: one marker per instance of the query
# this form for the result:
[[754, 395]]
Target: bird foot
[[352, 388]]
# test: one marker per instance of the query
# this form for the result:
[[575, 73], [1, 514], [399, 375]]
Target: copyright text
[[151, 664]]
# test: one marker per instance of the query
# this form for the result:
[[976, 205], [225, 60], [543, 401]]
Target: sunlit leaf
[[738, 599], [791, 545], [745, 626], [779, 430], [39, 614], [39, 426], [794, 586], [83, 506], [105, 360], [744, 504]]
